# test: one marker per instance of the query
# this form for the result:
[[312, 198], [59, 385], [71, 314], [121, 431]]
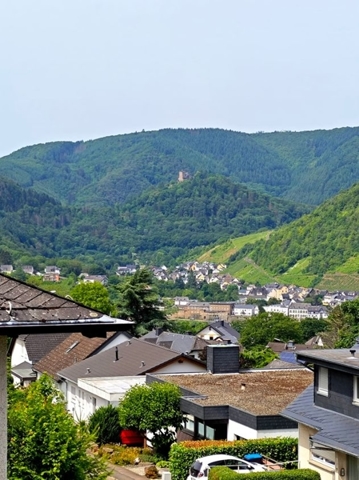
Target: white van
[[201, 467]]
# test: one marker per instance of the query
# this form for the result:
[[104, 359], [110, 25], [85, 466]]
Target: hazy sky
[[81, 69]]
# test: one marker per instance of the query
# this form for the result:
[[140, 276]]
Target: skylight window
[[71, 347]]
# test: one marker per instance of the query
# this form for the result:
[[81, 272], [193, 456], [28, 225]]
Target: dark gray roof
[[28, 309], [340, 357], [135, 357], [24, 371], [37, 346], [334, 429], [225, 330]]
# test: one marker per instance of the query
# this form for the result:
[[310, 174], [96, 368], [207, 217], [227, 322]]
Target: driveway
[[121, 473]]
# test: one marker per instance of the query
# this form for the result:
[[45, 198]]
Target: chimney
[[223, 358]]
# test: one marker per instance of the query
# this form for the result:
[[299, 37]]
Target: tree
[[312, 326], [256, 357], [343, 325], [139, 301], [155, 409], [265, 327], [44, 440], [93, 295]]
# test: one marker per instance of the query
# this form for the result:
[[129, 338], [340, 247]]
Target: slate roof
[[73, 349], [39, 345], [174, 341], [135, 357], [28, 309], [335, 430], [341, 357]]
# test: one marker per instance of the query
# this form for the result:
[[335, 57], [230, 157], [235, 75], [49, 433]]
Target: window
[[356, 390], [322, 454], [189, 423], [323, 381]]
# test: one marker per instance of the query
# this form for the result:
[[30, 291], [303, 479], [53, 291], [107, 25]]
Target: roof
[[278, 347], [334, 429], [74, 348], [279, 363], [257, 392], [177, 342], [135, 357], [336, 357], [28, 309], [39, 345], [24, 371]]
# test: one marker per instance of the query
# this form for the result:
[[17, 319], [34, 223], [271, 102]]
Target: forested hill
[[326, 240], [158, 226], [295, 165]]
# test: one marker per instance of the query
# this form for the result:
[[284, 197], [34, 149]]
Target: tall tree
[[94, 295], [139, 301]]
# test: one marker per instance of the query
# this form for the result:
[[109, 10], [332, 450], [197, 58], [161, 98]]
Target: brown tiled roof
[[257, 392], [28, 309], [135, 357], [75, 348]]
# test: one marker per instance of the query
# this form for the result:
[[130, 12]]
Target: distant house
[[28, 269], [86, 278], [52, 274], [126, 270], [327, 413], [244, 310], [6, 269], [219, 331]]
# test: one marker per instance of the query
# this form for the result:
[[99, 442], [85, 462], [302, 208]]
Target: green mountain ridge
[[294, 165], [160, 225]]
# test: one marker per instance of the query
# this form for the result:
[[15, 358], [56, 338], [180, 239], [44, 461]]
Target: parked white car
[[200, 468]]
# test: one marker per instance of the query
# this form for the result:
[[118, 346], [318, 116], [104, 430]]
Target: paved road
[[120, 473]]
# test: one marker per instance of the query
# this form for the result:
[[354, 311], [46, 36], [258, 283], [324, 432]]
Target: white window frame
[[325, 457], [323, 381], [355, 390]]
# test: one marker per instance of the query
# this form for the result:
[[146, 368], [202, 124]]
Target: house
[[244, 310], [219, 331], [126, 270], [286, 351], [189, 344], [28, 269], [227, 404], [76, 348], [86, 278], [52, 274], [26, 350], [105, 377], [8, 269], [327, 413]]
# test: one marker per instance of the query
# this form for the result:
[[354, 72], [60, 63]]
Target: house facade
[[328, 414]]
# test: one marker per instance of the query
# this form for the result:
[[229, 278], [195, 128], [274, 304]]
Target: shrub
[[224, 473], [163, 464], [105, 425], [183, 454]]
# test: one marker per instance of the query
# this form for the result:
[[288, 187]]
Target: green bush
[[224, 473], [183, 454], [105, 425]]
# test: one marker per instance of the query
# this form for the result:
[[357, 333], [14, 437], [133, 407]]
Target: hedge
[[182, 455], [224, 473]]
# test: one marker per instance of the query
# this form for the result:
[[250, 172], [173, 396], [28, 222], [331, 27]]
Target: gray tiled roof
[[131, 354], [177, 342], [334, 429]]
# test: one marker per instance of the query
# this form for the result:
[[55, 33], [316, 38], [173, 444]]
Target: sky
[[85, 69]]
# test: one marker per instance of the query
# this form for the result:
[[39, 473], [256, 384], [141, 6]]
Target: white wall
[[19, 353], [235, 430], [82, 404]]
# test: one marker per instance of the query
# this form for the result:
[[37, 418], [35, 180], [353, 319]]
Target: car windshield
[[195, 469]]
